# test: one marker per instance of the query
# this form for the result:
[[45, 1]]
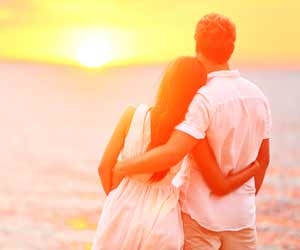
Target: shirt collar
[[223, 73]]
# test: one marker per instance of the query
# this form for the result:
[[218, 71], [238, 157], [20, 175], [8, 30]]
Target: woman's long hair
[[179, 84]]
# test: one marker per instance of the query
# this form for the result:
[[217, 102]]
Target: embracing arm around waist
[[181, 142], [113, 149], [160, 158], [212, 174]]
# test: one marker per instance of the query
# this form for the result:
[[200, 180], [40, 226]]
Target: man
[[234, 116]]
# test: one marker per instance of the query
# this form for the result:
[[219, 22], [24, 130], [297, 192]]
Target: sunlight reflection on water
[[55, 123]]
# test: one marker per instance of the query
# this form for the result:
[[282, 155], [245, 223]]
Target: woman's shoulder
[[127, 116], [129, 109], [139, 108], [132, 110]]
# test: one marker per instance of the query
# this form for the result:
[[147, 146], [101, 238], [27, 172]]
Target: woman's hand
[[255, 166]]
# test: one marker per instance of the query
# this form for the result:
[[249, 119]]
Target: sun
[[93, 53]]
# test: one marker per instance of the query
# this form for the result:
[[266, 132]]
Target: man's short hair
[[215, 36]]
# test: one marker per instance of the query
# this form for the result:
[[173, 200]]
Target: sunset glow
[[142, 31], [85, 83], [94, 53]]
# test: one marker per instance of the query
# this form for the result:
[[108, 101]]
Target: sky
[[143, 31]]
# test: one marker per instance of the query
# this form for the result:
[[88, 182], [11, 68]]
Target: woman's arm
[[113, 149], [215, 179]]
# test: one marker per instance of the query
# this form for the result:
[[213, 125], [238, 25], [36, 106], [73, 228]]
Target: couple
[[183, 174]]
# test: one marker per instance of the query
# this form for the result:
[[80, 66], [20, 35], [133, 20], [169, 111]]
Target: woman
[[142, 212]]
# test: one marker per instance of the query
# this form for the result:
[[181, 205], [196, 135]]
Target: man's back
[[238, 117], [234, 115]]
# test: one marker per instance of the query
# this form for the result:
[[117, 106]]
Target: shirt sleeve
[[268, 122], [196, 119]]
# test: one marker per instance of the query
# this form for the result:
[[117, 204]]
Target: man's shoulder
[[208, 87], [213, 91], [255, 88]]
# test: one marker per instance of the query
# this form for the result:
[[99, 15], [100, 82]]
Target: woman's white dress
[[139, 214]]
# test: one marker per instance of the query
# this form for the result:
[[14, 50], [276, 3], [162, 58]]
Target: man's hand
[[117, 177], [119, 169]]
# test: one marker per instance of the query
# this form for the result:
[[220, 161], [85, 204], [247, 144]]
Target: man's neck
[[216, 67], [211, 67]]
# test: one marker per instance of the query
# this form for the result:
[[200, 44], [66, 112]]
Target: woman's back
[[138, 137], [140, 214], [138, 140], [143, 213]]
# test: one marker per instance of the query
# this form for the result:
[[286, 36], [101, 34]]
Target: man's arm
[[160, 158], [212, 174], [181, 142], [263, 158]]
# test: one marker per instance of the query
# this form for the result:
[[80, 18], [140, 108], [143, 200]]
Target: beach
[[55, 123]]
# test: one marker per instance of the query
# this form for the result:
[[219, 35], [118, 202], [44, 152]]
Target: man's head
[[215, 36]]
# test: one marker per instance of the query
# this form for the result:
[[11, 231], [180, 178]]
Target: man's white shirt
[[235, 116]]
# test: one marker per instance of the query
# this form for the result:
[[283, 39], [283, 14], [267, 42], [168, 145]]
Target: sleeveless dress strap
[[139, 134]]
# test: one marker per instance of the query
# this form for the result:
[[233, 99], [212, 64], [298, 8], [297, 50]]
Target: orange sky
[[139, 31]]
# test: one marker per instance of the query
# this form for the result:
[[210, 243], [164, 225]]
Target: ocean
[[55, 123]]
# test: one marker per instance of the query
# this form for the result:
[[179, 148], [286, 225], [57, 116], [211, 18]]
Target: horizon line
[[122, 64]]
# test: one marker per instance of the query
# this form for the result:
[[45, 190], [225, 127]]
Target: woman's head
[[180, 81]]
